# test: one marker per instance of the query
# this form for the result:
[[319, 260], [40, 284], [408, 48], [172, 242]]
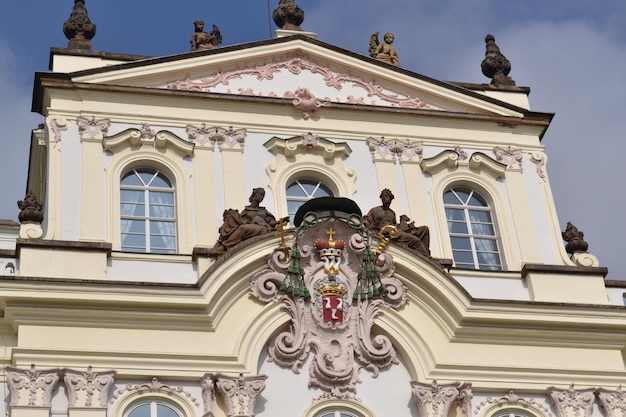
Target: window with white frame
[[148, 212], [153, 409], [472, 230], [303, 190], [336, 414]]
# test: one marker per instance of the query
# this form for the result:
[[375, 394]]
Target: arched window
[[472, 232], [153, 409], [336, 414], [148, 212], [302, 190]]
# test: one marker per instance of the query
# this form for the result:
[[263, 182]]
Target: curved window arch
[[472, 230], [147, 212], [302, 190], [152, 409], [336, 414]]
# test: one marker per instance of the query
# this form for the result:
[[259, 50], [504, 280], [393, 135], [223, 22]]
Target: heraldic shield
[[333, 284]]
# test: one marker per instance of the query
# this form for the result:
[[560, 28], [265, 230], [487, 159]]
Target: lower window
[[153, 409]]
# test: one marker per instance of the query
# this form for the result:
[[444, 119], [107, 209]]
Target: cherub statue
[[205, 40], [384, 51]]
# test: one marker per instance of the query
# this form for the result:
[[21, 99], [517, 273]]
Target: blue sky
[[571, 53]]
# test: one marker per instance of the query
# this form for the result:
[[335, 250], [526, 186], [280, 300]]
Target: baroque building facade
[[204, 236]]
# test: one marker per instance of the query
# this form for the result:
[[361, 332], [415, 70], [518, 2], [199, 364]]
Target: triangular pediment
[[298, 68]]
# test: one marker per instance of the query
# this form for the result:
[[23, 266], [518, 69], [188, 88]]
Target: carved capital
[[240, 393], [230, 138], [31, 387], [88, 389], [613, 402], [434, 400], [571, 402]]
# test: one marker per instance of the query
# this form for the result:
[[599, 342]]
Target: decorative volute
[[31, 387], [78, 28]]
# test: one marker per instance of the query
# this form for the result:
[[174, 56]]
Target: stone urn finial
[[495, 65], [30, 209], [575, 239], [78, 28], [288, 15]]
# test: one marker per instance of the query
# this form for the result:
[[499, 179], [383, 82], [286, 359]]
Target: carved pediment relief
[[295, 72], [147, 136]]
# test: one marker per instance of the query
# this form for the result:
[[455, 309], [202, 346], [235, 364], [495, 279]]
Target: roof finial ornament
[[78, 28], [575, 239], [495, 65], [288, 15]]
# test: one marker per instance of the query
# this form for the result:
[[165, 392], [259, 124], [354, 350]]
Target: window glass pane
[[130, 240], [450, 198], [165, 411], [133, 226], [477, 201], [160, 181], [485, 259], [161, 197], [146, 176], [140, 411], [455, 214], [162, 228], [135, 210], [163, 212], [309, 187], [482, 229], [132, 179], [463, 256], [132, 196], [461, 243], [486, 245], [457, 227], [462, 194], [479, 216], [294, 190]]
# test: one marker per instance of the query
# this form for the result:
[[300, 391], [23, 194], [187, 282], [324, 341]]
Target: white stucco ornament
[[322, 286]]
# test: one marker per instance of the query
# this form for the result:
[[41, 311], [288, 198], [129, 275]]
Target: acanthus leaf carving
[[571, 402], [613, 402], [435, 400], [32, 387], [96, 386], [240, 393]]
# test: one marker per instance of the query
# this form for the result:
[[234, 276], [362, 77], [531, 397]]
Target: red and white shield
[[332, 306]]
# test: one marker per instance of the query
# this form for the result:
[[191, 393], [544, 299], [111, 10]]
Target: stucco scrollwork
[[512, 399], [435, 400], [396, 150], [571, 402], [305, 102], [510, 157], [93, 385], [92, 128], [57, 125], [613, 402], [333, 325], [32, 387], [153, 386], [539, 159], [296, 63]]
